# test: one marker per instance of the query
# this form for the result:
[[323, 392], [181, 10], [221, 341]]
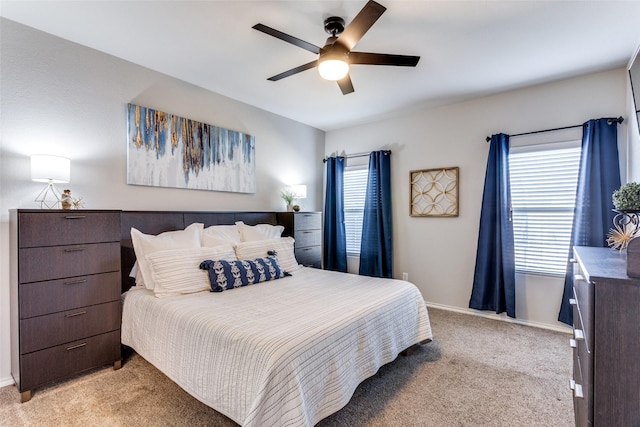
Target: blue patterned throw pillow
[[225, 275]]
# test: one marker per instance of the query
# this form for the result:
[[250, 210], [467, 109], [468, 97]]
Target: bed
[[282, 352]]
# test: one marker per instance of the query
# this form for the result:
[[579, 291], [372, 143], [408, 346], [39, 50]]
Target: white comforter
[[285, 352]]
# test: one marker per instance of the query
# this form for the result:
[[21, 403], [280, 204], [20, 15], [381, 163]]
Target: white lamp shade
[[333, 69], [45, 168], [299, 191]]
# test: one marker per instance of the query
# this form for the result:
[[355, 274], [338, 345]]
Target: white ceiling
[[467, 48]]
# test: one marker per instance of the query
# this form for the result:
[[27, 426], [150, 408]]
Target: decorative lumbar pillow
[[251, 233], [146, 244], [220, 234], [283, 247], [225, 275], [177, 271]]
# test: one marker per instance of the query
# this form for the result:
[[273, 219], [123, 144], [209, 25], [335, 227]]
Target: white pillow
[[260, 248], [147, 244], [137, 274], [251, 233], [135, 271], [177, 271], [220, 234]]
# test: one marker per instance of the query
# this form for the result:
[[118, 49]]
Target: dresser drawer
[[582, 351], [41, 332], [308, 238], [583, 363], [40, 298], [56, 262], [580, 399], [67, 228], [583, 295], [309, 256], [54, 363], [307, 221]]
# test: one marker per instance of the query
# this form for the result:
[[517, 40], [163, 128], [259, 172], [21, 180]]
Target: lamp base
[[49, 197]]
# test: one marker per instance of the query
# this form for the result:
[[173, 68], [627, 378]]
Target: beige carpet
[[477, 372]]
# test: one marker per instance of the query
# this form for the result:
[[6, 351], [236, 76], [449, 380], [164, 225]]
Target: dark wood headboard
[[156, 222]]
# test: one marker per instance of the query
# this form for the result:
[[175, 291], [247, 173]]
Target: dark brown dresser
[[65, 294], [307, 232], [606, 342]]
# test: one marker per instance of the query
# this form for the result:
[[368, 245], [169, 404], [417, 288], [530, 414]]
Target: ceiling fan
[[336, 55]]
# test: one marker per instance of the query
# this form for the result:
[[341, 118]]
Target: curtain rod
[[617, 120], [351, 156]]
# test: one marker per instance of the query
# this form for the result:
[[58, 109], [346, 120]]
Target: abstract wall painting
[[165, 150], [434, 192]]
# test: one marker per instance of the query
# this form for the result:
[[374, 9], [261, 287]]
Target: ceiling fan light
[[333, 69]]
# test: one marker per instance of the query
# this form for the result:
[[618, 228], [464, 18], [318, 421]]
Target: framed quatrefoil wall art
[[434, 192]]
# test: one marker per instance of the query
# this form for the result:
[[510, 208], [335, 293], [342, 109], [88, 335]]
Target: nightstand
[[307, 232], [65, 294]]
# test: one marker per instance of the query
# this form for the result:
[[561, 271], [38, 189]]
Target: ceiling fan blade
[[345, 85], [383, 59], [287, 38], [361, 24], [293, 71]]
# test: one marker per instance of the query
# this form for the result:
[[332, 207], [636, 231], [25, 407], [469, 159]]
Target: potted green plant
[[288, 196], [626, 224], [627, 197]]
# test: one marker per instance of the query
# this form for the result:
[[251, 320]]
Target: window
[[355, 187], [543, 189]]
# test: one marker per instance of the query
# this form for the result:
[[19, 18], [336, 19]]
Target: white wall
[[62, 98], [439, 253]]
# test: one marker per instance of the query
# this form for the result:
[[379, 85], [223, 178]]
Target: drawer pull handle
[[572, 301], [577, 391], [573, 343], [80, 313], [73, 347], [572, 260], [75, 217], [578, 334], [76, 282], [77, 249]]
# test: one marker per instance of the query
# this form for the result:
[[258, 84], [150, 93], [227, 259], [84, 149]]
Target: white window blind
[[543, 187], [355, 187]]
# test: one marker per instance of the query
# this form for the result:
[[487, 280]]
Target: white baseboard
[[6, 381], [504, 318]]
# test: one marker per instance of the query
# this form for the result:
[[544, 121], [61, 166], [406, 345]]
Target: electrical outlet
[[405, 276]]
